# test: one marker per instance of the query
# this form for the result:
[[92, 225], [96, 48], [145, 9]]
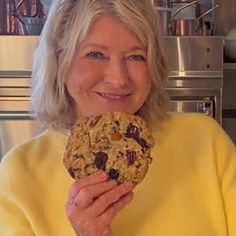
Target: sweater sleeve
[[226, 167], [12, 219]]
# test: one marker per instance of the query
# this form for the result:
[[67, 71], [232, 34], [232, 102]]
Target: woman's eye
[[137, 58], [95, 55]]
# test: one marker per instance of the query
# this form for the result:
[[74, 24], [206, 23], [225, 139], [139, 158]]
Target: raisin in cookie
[[116, 142]]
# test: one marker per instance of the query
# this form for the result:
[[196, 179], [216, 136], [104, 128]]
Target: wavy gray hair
[[67, 24]]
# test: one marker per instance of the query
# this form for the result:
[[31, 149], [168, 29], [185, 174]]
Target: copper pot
[[184, 27], [189, 27], [30, 17], [8, 23]]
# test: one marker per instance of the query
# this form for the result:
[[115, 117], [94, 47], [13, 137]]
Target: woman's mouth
[[113, 96]]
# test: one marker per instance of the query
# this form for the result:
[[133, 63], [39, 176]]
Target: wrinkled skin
[[94, 201]]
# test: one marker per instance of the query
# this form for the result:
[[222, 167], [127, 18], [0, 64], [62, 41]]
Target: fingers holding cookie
[[110, 197], [114, 208], [87, 196], [93, 202], [107, 155], [78, 185]]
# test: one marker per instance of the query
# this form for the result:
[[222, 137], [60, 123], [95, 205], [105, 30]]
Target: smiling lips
[[113, 96]]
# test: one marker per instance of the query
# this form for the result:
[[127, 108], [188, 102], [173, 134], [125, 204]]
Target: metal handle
[[17, 116], [15, 74], [204, 107], [207, 12], [183, 7]]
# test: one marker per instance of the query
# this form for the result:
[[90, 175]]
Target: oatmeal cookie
[[116, 142]]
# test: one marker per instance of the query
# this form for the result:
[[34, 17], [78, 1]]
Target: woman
[[96, 56]]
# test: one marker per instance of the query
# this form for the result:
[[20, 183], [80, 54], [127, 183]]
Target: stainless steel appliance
[[17, 123], [196, 79]]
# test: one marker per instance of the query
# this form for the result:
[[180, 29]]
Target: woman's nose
[[116, 72]]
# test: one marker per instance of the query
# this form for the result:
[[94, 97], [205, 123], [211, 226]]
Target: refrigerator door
[[17, 122], [16, 53]]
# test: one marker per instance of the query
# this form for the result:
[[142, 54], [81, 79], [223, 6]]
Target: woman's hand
[[94, 201]]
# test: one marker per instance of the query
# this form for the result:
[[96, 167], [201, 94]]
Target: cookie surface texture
[[116, 142]]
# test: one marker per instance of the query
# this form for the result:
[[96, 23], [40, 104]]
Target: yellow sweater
[[190, 189]]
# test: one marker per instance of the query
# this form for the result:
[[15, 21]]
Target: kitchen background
[[200, 35]]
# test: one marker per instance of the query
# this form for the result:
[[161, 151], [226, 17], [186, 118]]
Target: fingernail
[[71, 200]]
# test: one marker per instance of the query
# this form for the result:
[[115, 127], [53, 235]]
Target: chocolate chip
[[100, 160], [71, 172], [114, 174], [94, 121], [131, 157], [142, 142], [132, 131]]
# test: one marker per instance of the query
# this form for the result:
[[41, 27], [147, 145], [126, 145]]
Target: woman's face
[[109, 70]]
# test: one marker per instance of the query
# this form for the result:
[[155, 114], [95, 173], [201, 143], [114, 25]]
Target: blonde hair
[[67, 24]]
